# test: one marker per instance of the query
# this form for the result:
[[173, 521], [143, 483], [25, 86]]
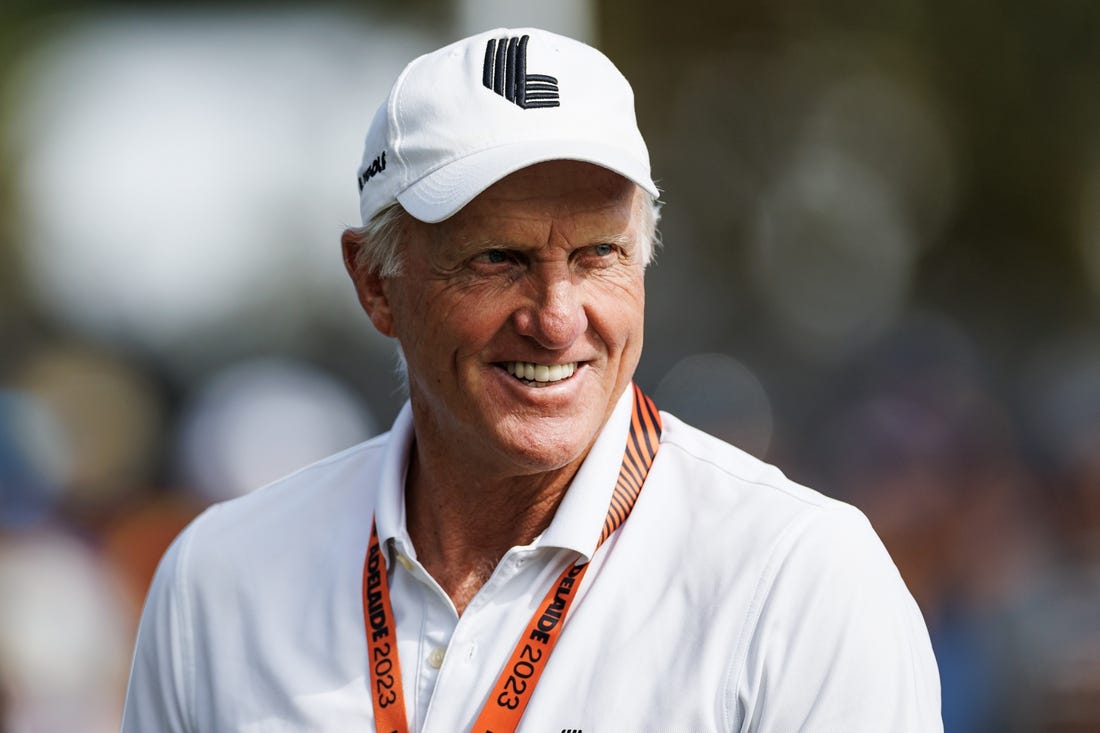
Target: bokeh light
[[177, 169], [64, 642], [722, 396], [34, 459], [832, 253], [257, 421], [104, 420]]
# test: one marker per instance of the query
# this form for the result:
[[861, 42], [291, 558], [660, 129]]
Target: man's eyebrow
[[622, 239]]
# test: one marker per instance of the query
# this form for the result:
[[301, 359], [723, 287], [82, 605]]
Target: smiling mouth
[[539, 375]]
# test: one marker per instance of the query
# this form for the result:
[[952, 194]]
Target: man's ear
[[370, 288]]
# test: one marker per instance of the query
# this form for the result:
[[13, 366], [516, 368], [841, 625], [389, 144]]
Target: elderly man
[[532, 545]]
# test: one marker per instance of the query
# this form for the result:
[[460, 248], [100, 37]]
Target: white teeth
[[540, 372]]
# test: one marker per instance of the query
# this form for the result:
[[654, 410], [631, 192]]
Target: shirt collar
[[578, 522], [389, 510]]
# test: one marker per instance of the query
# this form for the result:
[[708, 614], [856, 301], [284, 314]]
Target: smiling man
[[533, 545], [520, 320]]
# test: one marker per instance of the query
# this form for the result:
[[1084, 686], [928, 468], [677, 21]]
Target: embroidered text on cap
[[377, 166], [505, 72]]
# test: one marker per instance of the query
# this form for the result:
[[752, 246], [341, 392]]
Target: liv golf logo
[[505, 72]]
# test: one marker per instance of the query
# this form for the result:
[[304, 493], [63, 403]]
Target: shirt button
[[436, 657], [405, 562]]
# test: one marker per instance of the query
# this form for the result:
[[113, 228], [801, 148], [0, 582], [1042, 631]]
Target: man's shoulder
[[724, 474], [812, 562], [743, 505]]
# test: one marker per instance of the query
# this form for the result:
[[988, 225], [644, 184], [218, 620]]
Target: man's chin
[[545, 447]]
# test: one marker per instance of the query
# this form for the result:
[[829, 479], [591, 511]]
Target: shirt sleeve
[[839, 643], [159, 691]]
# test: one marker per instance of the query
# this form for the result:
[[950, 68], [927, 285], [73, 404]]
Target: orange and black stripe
[[641, 448]]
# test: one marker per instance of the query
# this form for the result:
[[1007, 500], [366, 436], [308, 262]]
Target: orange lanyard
[[512, 690]]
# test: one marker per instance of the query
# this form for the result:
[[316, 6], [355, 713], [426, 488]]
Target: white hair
[[379, 239]]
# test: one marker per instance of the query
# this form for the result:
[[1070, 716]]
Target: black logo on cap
[[505, 72], [376, 166]]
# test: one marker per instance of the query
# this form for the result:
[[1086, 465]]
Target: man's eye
[[493, 257], [603, 250]]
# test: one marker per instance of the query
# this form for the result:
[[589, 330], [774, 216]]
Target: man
[[532, 545]]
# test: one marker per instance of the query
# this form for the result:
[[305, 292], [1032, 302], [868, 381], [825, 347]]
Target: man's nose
[[554, 314]]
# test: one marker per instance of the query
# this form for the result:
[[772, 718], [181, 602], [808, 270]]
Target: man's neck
[[462, 526]]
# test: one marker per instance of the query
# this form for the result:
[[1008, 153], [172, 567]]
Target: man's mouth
[[540, 374]]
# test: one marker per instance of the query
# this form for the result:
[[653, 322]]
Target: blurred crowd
[[848, 289]]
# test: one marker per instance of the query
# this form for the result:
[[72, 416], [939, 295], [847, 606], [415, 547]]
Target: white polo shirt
[[732, 599]]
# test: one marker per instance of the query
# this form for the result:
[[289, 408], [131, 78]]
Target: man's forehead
[[535, 232]]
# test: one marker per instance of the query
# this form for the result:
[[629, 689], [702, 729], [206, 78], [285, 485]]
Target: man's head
[[509, 215]]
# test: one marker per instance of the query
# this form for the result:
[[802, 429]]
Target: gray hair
[[379, 239]]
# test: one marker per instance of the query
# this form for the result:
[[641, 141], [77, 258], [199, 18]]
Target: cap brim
[[440, 194]]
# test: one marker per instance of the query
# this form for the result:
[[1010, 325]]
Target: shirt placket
[[426, 621], [481, 641]]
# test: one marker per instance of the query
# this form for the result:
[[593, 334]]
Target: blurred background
[[881, 271]]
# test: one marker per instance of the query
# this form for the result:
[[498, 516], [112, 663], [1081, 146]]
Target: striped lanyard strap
[[512, 690]]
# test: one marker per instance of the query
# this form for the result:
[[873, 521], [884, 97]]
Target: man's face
[[521, 317]]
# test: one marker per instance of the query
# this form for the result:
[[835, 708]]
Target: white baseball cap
[[461, 118]]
